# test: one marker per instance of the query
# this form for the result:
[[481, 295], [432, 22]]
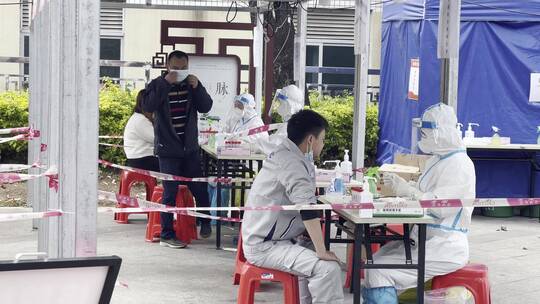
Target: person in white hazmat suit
[[277, 239], [449, 173], [286, 102], [243, 116]]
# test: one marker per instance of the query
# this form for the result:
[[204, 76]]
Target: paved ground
[[201, 274]]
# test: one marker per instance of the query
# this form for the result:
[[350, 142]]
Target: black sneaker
[[172, 243], [206, 230]]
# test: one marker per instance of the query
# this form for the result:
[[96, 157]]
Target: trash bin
[[498, 211], [531, 211]]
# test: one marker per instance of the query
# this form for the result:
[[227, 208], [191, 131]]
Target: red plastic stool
[[127, 179], [240, 261], [251, 276], [474, 277], [374, 248], [185, 226]]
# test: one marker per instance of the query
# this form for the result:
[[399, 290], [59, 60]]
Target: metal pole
[[361, 50], [300, 38], [448, 50]]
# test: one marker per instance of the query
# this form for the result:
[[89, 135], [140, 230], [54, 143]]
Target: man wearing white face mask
[[175, 99], [287, 102], [243, 116], [276, 239], [449, 174]]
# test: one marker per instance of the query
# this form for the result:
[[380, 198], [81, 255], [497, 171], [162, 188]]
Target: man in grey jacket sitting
[[278, 239]]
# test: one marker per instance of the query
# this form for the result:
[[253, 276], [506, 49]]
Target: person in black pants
[[175, 99]]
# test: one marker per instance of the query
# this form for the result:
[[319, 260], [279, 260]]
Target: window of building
[[110, 49], [26, 53], [330, 56]]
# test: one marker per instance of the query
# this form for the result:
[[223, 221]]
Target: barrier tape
[[8, 139], [170, 177], [31, 134], [18, 167], [10, 217], [14, 130], [51, 174], [111, 145], [387, 203], [254, 131], [140, 205]]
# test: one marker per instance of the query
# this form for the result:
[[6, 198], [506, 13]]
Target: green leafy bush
[[115, 108], [13, 114], [339, 113]]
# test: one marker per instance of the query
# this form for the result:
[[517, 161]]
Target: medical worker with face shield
[[243, 116], [449, 173], [287, 102]]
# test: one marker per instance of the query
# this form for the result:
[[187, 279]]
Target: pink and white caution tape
[[51, 173], [12, 138], [111, 145], [261, 129], [140, 205], [14, 130], [170, 177], [10, 217], [30, 134], [18, 167]]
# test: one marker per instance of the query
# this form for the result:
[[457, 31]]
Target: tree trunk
[[282, 32], [283, 45]]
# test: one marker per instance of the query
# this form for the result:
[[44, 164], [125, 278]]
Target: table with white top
[[362, 235], [229, 166]]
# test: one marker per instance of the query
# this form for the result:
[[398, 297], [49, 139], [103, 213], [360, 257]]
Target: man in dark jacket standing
[[175, 100]]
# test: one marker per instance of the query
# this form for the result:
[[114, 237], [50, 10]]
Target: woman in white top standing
[[139, 139]]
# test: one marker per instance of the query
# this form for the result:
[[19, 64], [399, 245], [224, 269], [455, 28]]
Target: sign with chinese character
[[414, 79], [220, 75]]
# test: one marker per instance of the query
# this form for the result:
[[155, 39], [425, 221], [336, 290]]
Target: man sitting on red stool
[[274, 239]]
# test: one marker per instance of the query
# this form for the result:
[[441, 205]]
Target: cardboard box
[[408, 166]]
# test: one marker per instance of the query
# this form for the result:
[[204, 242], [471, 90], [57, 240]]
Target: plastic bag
[[451, 295]]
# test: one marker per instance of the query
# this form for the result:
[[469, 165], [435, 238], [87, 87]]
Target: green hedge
[[339, 113], [13, 114], [116, 106]]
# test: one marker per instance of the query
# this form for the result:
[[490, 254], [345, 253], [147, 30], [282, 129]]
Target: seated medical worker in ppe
[[286, 102], [449, 173], [275, 239], [243, 116]]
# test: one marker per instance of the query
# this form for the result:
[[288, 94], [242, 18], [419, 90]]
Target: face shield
[[424, 135], [279, 103]]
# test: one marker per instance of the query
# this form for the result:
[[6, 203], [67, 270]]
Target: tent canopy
[[499, 49]]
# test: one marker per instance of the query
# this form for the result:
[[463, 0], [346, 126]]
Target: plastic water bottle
[[339, 185], [538, 138]]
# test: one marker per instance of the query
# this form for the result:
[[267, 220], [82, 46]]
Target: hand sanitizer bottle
[[346, 168]]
